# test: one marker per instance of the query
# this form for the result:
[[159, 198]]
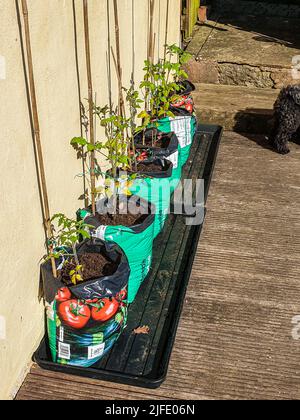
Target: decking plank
[[234, 340]]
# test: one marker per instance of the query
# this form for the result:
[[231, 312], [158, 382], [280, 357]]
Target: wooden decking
[[235, 336]]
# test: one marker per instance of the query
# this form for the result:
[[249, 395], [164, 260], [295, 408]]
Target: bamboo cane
[[148, 29], [81, 107], [148, 55], [91, 105], [118, 59], [159, 28], [121, 100], [133, 43], [153, 46], [151, 43], [109, 57], [37, 138], [133, 80], [167, 29], [151, 33]]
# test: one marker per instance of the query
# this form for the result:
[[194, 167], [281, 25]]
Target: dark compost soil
[[94, 266], [150, 167], [156, 139], [120, 215], [126, 220]]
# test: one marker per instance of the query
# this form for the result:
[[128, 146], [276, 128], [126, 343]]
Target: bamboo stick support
[[37, 137], [151, 33], [109, 57], [133, 43], [91, 104], [118, 59], [167, 30]]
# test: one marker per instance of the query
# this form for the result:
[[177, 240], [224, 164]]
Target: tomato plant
[[106, 309], [161, 86], [74, 314], [66, 236]]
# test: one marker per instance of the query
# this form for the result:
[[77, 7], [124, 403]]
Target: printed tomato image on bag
[[86, 320]]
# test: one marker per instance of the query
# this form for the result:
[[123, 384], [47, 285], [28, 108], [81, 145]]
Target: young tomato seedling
[[66, 236], [161, 87]]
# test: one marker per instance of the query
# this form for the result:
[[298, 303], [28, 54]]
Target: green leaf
[[85, 234], [80, 141]]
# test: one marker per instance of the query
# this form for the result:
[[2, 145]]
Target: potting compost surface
[[143, 359]]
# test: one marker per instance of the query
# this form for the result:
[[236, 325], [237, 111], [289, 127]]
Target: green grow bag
[[80, 333], [135, 241], [157, 189], [185, 127]]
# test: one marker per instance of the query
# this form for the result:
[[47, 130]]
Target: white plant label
[[100, 232], [182, 128], [174, 159], [96, 351], [64, 351], [61, 334]]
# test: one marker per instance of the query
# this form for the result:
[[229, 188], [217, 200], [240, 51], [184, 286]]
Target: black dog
[[287, 119]]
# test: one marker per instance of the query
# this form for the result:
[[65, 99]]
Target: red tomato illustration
[[179, 103], [91, 301], [63, 295], [106, 310], [189, 108], [122, 295], [74, 314]]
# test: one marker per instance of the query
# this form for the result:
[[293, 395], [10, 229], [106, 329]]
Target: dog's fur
[[286, 119]]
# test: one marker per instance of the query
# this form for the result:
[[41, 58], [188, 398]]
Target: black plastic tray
[[143, 360]]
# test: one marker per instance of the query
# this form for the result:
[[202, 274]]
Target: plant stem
[[75, 255], [121, 100]]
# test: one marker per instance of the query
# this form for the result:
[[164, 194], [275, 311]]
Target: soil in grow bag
[[133, 233], [157, 144], [154, 183], [85, 321]]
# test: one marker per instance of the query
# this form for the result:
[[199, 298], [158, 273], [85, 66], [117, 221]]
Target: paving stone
[[236, 108]]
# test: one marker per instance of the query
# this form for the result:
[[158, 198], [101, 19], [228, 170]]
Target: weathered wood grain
[[235, 336]]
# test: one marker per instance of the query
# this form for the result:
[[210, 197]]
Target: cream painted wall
[[22, 239]]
